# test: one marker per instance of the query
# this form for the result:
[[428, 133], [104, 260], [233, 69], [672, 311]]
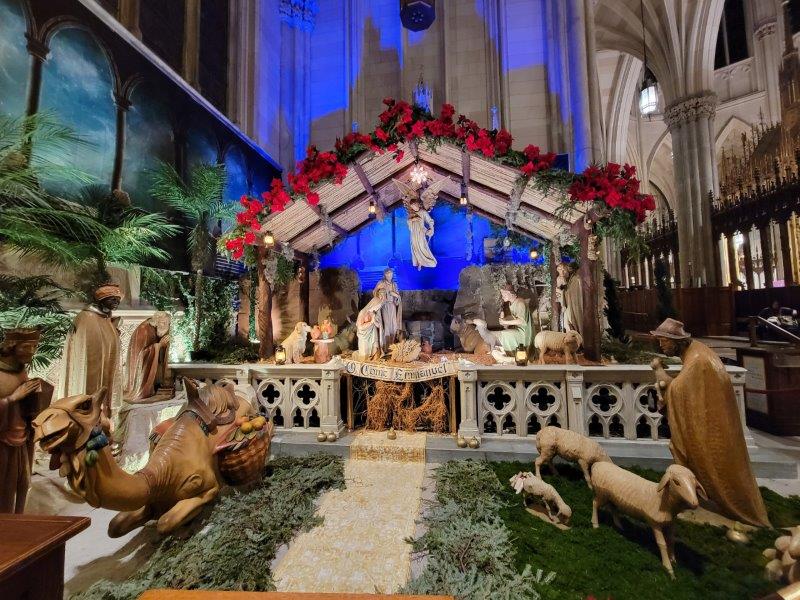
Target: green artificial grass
[[625, 565], [231, 546]]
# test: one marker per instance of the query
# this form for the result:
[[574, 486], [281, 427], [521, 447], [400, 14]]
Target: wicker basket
[[246, 464]]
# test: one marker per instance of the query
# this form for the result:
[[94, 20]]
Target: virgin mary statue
[[369, 328]]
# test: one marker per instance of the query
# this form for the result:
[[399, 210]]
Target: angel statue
[[418, 202]]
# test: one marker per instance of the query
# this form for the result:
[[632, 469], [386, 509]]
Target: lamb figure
[[554, 441], [531, 486], [783, 566], [655, 503], [562, 342]]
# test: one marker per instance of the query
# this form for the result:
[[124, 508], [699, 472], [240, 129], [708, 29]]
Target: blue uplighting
[[382, 244]]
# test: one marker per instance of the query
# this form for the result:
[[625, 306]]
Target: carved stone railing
[[610, 402], [615, 402], [296, 398]]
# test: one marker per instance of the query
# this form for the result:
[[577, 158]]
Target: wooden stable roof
[[344, 208]]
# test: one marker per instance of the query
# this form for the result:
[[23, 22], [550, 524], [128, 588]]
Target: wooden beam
[[362, 176]]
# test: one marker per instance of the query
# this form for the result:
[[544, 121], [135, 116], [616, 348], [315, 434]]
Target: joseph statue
[[706, 428], [91, 351], [21, 399]]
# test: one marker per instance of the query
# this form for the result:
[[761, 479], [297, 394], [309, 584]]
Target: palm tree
[[35, 302], [199, 200]]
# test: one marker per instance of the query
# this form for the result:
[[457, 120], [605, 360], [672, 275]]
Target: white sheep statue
[[562, 342], [554, 441], [655, 503], [532, 486], [783, 565]]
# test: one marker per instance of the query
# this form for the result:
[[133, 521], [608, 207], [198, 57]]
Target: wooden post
[[350, 416], [786, 254], [555, 319], [452, 405], [748, 260], [264, 315], [766, 253]]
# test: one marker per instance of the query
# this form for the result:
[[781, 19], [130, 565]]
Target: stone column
[[331, 418], [690, 121], [191, 43], [242, 64], [297, 23], [767, 51], [595, 102], [786, 254], [766, 253], [468, 381], [579, 84], [129, 16]]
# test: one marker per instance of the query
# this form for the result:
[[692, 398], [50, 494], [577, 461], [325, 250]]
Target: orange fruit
[[246, 427]]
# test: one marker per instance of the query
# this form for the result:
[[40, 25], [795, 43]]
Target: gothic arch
[[730, 134]]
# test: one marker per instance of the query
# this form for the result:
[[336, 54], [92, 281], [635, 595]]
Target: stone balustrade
[[497, 402]]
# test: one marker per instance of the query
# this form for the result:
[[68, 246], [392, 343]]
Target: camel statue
[[179, 478]]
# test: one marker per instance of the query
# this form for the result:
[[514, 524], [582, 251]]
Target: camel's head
[[683, 485], [220, 399], [518, 481], [67, 424]]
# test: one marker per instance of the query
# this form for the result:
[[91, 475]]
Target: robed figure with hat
[[21, 399], [91, 351], [705, 425]]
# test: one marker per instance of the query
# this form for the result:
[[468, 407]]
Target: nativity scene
[[376, 301]]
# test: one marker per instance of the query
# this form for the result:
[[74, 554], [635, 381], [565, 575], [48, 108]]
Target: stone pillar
[[579, 84], [468, 381], [766, 253], [576, 419], [786, 254], [690, 121], [330, 418], [297, 23], [595, 102], [242, 64], [767, 52], [129, 16], [748, 260], [191, 44]]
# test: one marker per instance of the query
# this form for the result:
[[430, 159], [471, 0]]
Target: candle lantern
[[521, 356], [269, 239], [280, 355]]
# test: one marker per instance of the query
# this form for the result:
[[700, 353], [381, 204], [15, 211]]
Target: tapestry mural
[[162, 122], [77, 88], [13, 59]]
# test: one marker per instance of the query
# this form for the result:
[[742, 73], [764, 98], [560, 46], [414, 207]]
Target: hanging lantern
[[417, 15], [648, 96], [463, 200], [521, 356], [280, 355], [534, 254], [269, 239], [372, 208]]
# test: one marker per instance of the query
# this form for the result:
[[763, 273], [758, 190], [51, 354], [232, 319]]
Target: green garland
[[232, 547]]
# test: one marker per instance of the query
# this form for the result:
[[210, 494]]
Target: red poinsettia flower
[[381, 134], [447, 112], [312, 198], [249, 237], [417, 130]]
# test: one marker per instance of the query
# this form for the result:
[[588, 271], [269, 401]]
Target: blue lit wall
[[13, 59], [380, 244]]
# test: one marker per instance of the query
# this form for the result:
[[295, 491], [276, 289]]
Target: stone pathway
[[360, 547]]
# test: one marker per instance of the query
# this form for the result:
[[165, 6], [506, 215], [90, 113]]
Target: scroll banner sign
[[400, 374]]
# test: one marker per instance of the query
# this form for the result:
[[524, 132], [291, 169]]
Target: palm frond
[[133, 241]]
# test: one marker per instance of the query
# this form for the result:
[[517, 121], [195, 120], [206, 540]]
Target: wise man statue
[[21, 399], [519, 326], [391, 309], [148, 354], [91, 351], [707, 436]]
